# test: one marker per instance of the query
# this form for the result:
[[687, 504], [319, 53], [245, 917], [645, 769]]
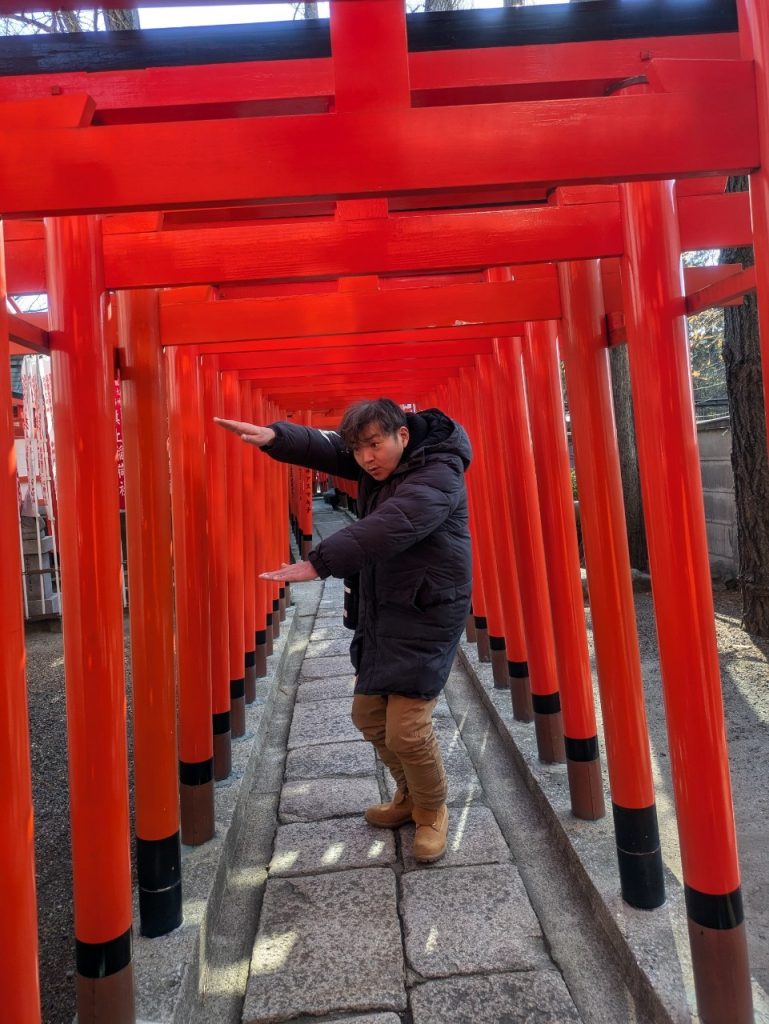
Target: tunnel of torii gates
[[438, 214]]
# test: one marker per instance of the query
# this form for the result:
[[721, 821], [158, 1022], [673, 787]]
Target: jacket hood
[[432, 432]]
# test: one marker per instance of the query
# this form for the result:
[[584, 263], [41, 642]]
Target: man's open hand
[[249, 432], [299, 572]]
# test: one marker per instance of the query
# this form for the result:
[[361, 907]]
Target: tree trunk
[[310, 11], [742, 358], [628, 457], [117, 20]]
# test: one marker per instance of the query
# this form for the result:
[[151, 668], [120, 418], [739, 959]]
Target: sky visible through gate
[[154, 17]]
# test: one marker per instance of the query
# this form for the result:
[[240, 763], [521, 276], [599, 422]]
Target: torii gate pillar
[[671, 486], [89, 531]]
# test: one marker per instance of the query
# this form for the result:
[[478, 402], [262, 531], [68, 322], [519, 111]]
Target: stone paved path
[[350, 923], [351, 930]]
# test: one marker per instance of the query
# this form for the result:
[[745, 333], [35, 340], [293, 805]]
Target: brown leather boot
[[432, 830], [392, 814]]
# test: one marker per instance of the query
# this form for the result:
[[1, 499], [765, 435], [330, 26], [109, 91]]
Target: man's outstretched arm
[[299, 446]]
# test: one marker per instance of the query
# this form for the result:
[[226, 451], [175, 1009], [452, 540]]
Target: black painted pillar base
[[639, 856], [158, 869]]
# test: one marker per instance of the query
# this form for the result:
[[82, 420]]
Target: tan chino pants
[[401, 730]]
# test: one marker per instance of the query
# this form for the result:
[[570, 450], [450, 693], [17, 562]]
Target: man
[[411, 551]]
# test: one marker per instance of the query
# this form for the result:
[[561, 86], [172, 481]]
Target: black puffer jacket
[[410, 546]]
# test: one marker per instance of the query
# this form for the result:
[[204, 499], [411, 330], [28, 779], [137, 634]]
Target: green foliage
[[706, 341]]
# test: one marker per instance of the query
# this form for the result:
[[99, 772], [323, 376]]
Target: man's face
[[379, 453]]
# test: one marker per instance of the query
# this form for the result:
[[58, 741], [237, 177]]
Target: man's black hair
[[383, 412]]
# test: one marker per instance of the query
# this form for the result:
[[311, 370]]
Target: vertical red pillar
[[235, 592], [586, 356], [89, 536], [258, 524], [191, 591], [249, 542], [559, 534], [216, 500], [754, 38], [148, 531], [277, 514], [478, 606], [526, 530], [481, 499], [305, 503], [671, 486], [491, 443], [18, 922]]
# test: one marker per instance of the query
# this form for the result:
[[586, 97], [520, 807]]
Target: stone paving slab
[[533, 997], [331, 632], [315, 799], [326, 668], [474, 838], [330, 760], [337, 844], [322, 721], [327, 944], [326, 689], [330, 648], [469, 920]]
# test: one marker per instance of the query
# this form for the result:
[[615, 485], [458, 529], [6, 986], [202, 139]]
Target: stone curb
[[167, 969], [539, 779]]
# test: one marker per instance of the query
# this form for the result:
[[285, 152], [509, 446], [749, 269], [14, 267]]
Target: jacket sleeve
[[417, 509], [315, 449]]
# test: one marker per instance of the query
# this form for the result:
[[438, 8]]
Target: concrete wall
[[715, 440]]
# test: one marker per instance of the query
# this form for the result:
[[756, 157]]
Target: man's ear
[[403, 433]]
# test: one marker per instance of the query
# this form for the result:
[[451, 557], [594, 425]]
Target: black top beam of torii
[[580, 21]]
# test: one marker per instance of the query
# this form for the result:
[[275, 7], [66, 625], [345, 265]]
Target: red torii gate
[[407, 131]]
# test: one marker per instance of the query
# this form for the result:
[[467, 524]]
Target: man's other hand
[[249, 432], [299, 572]]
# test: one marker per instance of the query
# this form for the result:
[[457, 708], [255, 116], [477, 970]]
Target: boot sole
[[388, 824], [430, 860]]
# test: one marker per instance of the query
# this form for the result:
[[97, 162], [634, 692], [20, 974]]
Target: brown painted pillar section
[[584, 349], [671, 485], [18, 922], [216, 494], [148, 533], [193, 628], [564, 585], [89, 535], [249, 576], [236, 595]]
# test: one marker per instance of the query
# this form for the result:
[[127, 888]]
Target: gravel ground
[[50, 791], [746, 693]]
